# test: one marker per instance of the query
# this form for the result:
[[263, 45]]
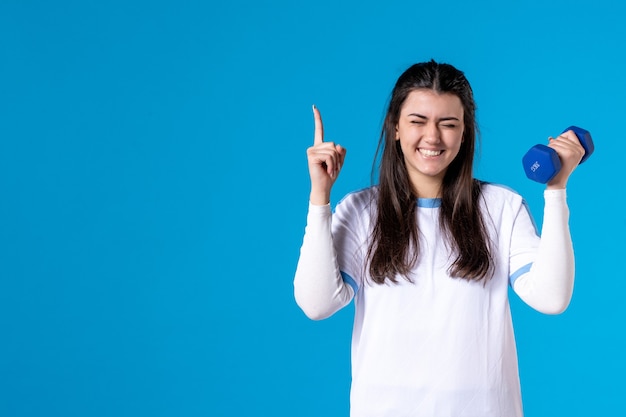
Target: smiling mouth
[[427, 152]]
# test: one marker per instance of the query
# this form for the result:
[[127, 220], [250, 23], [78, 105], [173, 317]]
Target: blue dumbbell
[[542, 163]]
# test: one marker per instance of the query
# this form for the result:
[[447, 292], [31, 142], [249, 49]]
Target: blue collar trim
[[429, 202]]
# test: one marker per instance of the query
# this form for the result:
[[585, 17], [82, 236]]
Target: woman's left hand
[[570, 152]]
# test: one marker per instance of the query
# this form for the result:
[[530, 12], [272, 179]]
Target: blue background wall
[[153, 192]]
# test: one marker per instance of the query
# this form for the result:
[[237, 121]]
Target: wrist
[[319, 198], [557, 186]]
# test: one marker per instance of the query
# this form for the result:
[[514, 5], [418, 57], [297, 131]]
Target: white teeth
[[427, 152]]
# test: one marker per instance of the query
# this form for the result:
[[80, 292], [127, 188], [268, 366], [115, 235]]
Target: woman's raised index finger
[[319, 127]]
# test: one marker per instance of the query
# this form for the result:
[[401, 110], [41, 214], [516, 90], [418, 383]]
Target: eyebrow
[[442, 119]]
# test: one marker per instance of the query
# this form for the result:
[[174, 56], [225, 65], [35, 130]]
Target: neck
[[427, 189]]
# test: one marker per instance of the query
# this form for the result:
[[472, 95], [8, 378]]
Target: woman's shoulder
[[494, 193], [359, 199]]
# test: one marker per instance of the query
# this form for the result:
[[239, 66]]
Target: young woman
[[428, 256]]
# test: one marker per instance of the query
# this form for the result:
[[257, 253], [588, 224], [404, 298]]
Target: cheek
[[457, 141], [402, 148], [457, 150]]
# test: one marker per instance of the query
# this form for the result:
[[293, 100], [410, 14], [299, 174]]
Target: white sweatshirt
[[437, 345]]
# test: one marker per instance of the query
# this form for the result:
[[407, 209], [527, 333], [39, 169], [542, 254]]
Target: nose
[[431, 133]]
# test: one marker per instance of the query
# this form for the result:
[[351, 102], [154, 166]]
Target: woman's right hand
[[325, 162]]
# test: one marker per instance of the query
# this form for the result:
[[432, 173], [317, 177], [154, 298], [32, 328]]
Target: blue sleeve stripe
[[519, 273], [350, 281]]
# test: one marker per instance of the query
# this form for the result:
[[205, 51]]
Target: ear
[[397, 134]]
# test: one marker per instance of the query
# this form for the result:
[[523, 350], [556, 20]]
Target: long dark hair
[[394, 248]]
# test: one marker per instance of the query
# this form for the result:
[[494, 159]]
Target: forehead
[[429, 102]]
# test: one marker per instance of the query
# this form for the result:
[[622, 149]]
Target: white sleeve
[[548, 285], [318, 286]]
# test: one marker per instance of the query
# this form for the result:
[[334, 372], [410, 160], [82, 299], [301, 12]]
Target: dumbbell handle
[[542, 163]]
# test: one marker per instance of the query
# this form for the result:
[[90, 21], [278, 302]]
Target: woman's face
[[430, 131]]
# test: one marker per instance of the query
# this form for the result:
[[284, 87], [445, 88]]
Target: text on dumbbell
[[535, 166]]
